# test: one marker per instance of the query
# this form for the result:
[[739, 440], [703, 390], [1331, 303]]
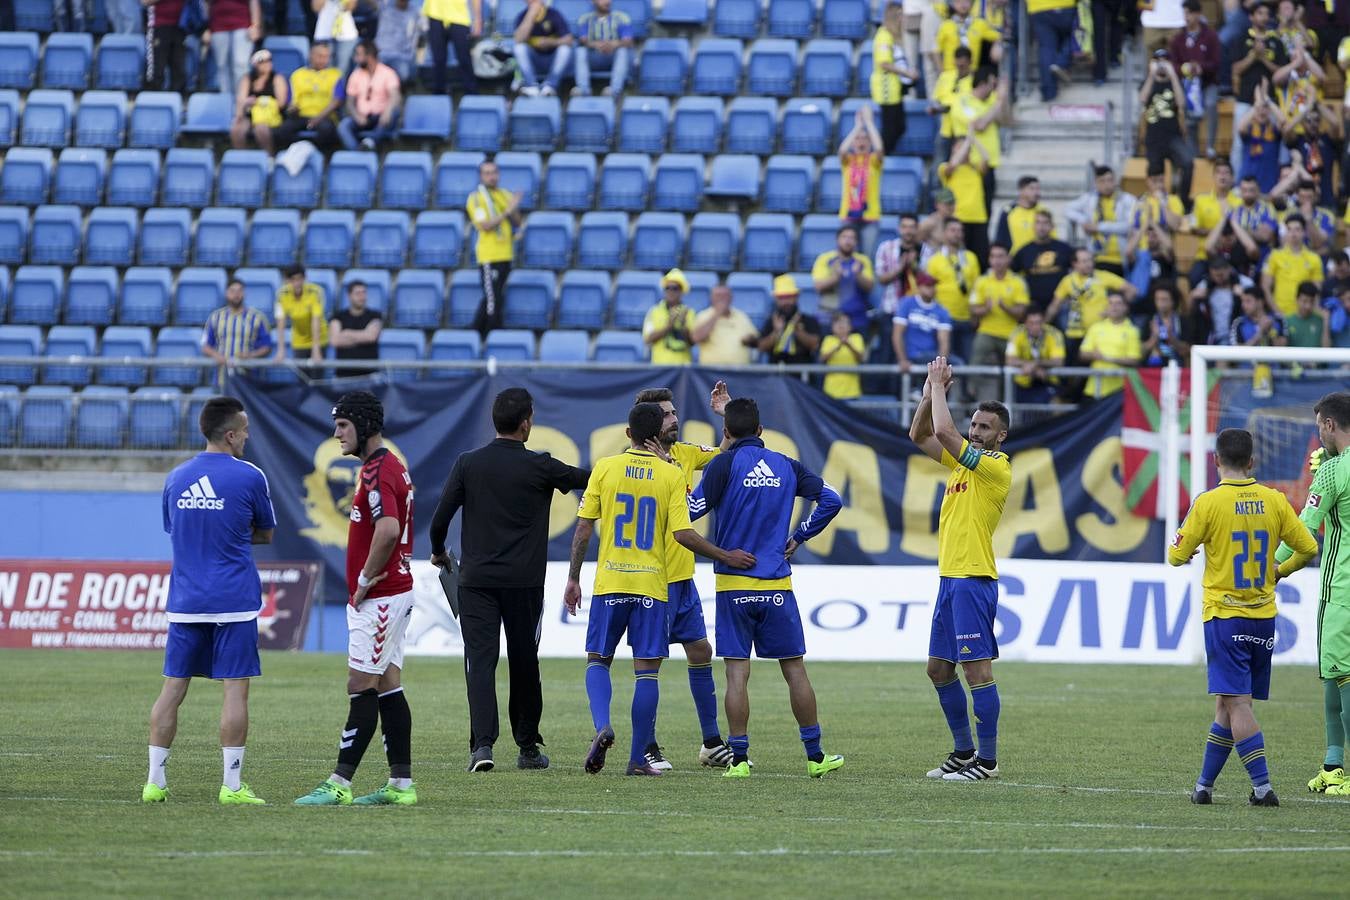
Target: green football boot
[[242, 797], [153, 793], [828, 764], [389, 796], [330, 793], [1323, 781], [740, 770]]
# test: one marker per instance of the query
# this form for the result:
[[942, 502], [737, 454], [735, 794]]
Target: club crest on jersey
[[330, 489]]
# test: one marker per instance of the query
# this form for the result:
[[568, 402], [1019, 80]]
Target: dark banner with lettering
[[1066, 500]]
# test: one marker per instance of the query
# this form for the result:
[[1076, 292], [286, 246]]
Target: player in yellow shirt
[[495, 214], [964, 30], [967, 601], [636, 500], [1240, 524], [955, 269], [998, 302], [1112, 343], [1288, 266], [891, 74], [301, 303]]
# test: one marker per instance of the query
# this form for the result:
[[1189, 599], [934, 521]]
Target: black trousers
[[493, 304], [892, 126], [439, 35], [166, 52], [483, 613], [325, 135]]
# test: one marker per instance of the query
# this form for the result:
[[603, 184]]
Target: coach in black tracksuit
[[505, 491]]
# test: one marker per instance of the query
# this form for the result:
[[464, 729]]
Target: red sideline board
[[72, 604]]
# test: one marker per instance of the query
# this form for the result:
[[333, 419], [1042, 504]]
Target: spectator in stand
[[261, 96], [495, 215], [1231, 243], [843, 278], [1338, 318], [316, 96], [1319, 222], [961, 29], [932, 230], [450, 23], [1308, 326], [355, 331], [955, 269], [1080, 302], [236, 330], [1111, 343], [722, 333], [1163, 102], [842, 347], [1107, 36], [1313, 139], [334, 23], [998, 303], [1195, 51], [1288, 266], [1210, 211], [1330, 25], [860, 165], [1043, 261], [1255, 214], [235, 26], [1289, 26], [1340, 275], [1258, 133], [1017, 223], [921, 328], [964, 175], [952, 83], [1168, 332], [1157, 216], [1258, 56], [606, 38], [1216, 299], [300, 302], [166, 54], [1107, 215], [977, 114], [897, 264], [790, 335], [669, 325], [543, 43], [1257, 326], [124, 16], [396, 37], [1053, 22], [891, 74], [1034, 348], [374, 101]]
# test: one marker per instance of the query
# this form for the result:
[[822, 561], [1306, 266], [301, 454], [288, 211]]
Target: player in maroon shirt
[[379, 587]]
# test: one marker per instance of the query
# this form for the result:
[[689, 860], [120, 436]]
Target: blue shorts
[[1238, 652], [212, 650], [963, 620], [685, 611], [643, 618], [768, 620]]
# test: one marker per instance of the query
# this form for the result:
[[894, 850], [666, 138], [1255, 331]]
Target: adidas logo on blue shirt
[[200, 496], [762, 476]]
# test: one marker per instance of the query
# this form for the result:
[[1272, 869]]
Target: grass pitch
[[1097, 761]]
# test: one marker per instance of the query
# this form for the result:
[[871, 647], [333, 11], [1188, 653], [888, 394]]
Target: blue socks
[[599, 691], [646, 693], [1252, 752], [704, 689], [811, 738], [740, 748], [984, 698], [953, 699], [1217, 746]]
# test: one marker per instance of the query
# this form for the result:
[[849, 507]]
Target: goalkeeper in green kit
[[1329, 504]]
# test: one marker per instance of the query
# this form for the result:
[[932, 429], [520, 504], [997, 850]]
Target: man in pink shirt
[[374, 101]]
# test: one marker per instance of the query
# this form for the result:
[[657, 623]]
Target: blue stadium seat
[[13, 239], [678, 182], [862, 74], [619, 347], [507, 13], [827, 68], [737, 18], [47, 119], [19, 340], [209, 114], [220, 237], [378, 289], [602, 242], [902, 179], [921, 128], [79, 176], [583, 299], [133, 178], [664, 66], [146, 293], [535, 123], [91, 295], [262, 284], [26, 176], [520, 171], [121, 62], [46, 416], [37, 295], [772, 68], [196, 400], [639, 13], [131, 341], [426, 118], [698, 125], [405, 178], [634, 294], [480, 123], [806, 125], [570, 183], [548, 240], [178, 342], [847, 19], [351, 179], [529, 299], [642, 124], [752, 294], [734, 176], [510, 345], [624, 181], [200, 292], [155, 119], [658, 240], [792, 19], [419, 298], [18, 59], [466, 292], [189, 175], [56, 236], [455, 344], [242, 179], [330, 235], [768, 242], [572, 10], [9, 413], [67, 60], [701, 284], [752, 125], [717, 67], [154, 418], [34, 15], [101, 417], [9, 116], [273, 237], [830, 185], [589, 124], [847, 110], [298, 191], [325, 279], [683, 12], [437, 239], [817, 236], [383, 241], [289, 52], [714, 240], [110, 236], [456, 177], [564, 346], [808, 301], [67, 341]]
